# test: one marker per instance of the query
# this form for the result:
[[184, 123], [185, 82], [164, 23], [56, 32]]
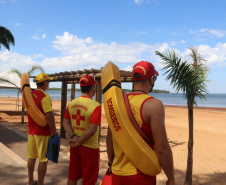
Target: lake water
[[213, 100]]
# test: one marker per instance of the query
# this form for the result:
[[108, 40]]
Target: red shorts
[[84, 163], [140, 179]]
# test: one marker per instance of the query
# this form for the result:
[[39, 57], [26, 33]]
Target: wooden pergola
[[73, 78]]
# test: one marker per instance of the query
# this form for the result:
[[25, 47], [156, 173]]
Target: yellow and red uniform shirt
[[43, 102], [121, 164], [82, 112]]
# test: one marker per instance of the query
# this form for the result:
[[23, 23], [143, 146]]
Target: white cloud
[[9, 60], [174, 43], [17, 24], [216, 57], [84, 53], [217, 33], [139, 2], [142, 33], [44, 36], [1, 2], [35, 37], [128, 68], [38, 56]]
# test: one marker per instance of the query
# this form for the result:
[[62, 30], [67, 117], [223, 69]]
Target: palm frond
[[6, 37], [8, 81], [190, 78], [17, 71], [35, 68]]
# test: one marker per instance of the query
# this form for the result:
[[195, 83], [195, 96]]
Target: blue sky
[[72, 35]]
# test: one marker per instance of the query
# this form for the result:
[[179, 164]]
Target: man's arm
[[51, 121], [67, 127], [156, 112], [109, 144], [89, 133]]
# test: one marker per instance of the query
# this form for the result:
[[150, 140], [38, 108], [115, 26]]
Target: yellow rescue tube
[[129, 140], [29, 103]]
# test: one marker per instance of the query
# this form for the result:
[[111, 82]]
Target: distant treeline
[[59, 89], [154, 91], [126, 90]]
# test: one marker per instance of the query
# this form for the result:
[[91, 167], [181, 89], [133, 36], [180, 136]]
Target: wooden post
[[98, 97], [63, 107], [98, 94], [72, 92], [17, 101], [23, 110]]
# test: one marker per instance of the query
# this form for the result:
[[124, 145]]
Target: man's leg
[[71, 182], [30, 168], [90, 165], [42, 147], [42, 168], [74, 173]]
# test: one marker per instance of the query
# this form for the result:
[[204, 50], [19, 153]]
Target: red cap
[[87, 81], [145, 69]]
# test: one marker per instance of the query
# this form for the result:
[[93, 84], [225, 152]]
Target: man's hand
[[74, 142]]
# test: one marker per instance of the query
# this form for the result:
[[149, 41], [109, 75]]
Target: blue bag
[[53, 148]]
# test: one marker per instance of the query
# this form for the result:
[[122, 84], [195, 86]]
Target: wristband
[[109, 164], [73, 136]]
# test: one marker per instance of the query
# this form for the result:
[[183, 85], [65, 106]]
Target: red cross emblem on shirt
[[78, 117]]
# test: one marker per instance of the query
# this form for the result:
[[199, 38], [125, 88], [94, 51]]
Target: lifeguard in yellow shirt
[[150, 116], [81, 122]]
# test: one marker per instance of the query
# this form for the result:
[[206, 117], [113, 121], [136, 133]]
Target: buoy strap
[[111, 84], [25, 85]]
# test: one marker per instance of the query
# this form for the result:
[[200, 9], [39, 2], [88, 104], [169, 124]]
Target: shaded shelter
[[73, 77], [15, 79]]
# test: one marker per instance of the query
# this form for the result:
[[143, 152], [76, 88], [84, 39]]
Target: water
[[213, 100]]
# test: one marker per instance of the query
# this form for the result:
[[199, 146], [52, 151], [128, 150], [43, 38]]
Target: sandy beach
[[209, 152]]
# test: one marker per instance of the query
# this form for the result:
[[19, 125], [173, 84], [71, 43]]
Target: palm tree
[[190, 78], [29, 72], [6, 38]]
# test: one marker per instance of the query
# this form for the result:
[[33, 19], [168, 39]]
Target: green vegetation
[[6, 38], [189, 76], [154, 91], [59, 89], [125, 90]]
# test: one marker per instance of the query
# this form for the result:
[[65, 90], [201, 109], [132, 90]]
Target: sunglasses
[[155, 77]]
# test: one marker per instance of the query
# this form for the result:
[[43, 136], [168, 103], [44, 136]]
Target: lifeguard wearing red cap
[[144, 69], [87, 81]]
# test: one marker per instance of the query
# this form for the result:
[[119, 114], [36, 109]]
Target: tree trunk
[[188, 178]]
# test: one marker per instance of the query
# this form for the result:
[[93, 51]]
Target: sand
[[209, 152]]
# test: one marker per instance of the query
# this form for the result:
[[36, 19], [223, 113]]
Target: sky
[[70, 35]]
